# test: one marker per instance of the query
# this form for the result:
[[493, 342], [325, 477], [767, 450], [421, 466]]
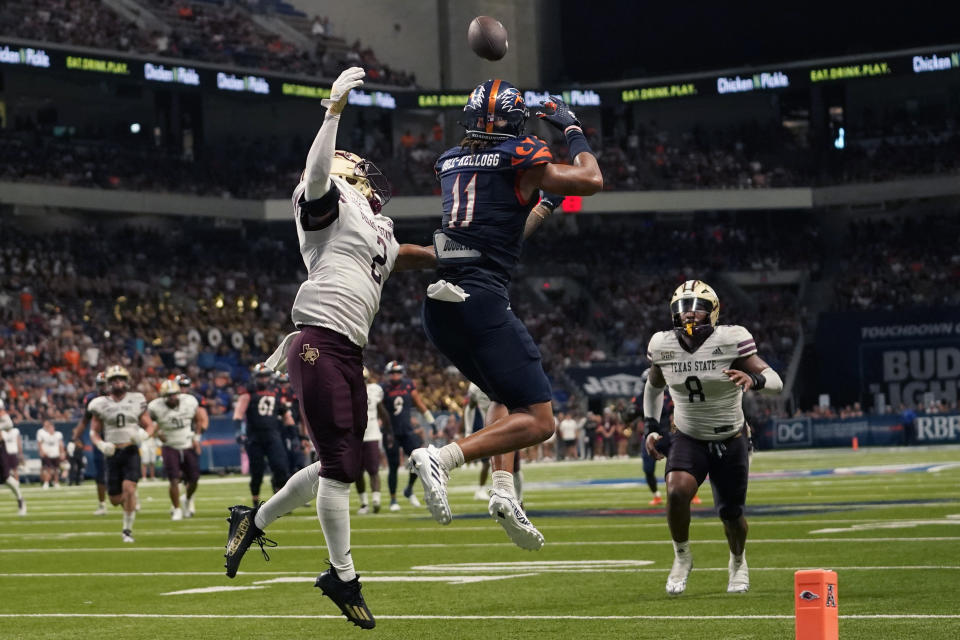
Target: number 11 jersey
[[707, 404]]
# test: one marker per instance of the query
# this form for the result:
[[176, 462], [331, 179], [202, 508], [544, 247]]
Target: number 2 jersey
[[707, 404], [484, 214], [176, 423], [120, 418], [347, 262]]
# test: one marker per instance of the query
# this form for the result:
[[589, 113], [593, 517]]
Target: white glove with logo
[[349, 79], [107, 448]]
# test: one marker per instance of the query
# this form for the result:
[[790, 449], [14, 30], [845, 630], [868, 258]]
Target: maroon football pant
[[326, 373]]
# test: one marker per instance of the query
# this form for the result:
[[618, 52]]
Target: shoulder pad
[[526, 152]]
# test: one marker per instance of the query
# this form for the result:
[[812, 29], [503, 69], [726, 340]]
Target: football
[[487, 38]]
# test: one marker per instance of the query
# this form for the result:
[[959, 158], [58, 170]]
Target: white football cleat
[[677, 580], [394, 506], [190, 510], [177, 514], [481, 494], [363, 510], [22, 511], [739, 575], [508, 513], [127, 535], [433, 477], [101, 510]]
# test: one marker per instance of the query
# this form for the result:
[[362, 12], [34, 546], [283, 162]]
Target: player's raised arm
[[320, 157], [583, 177]]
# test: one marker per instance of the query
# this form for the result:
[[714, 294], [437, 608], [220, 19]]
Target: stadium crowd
[[213, 31]]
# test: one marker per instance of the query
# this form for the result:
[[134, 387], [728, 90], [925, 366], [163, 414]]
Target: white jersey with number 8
[[347, 263], [707, 404]]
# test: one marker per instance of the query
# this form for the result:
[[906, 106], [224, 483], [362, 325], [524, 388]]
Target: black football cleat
[[243, 532], [347, 596]]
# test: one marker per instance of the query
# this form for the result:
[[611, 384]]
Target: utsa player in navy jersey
[[399, 395], [99, 464], [294, 435], [491, 186], [259, 418]]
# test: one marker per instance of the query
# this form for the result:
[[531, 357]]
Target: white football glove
[[107, 448], [349, 79], [139, 436]]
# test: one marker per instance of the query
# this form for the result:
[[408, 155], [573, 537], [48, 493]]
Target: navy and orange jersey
[[398, 396], [483, 211], [87, 399], [264, 411]]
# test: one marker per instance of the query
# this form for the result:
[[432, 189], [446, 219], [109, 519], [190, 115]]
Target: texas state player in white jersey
[[349, 251], [179, 425], [11, 453], [708, 367], [115, 424], [372, 436]]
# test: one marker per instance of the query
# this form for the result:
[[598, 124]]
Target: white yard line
[[211, 616]]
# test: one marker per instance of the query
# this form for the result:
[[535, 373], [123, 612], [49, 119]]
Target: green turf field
[[894, 539]]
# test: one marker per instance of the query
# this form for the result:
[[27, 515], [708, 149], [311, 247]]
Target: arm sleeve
[[774, 384], [320, 157], [652, 401]]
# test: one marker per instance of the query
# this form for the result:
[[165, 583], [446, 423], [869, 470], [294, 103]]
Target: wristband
[[759, 381], [650, 425], [576, 141]]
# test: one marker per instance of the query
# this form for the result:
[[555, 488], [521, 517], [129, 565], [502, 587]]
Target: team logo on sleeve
[[666, 355], [309, 354]]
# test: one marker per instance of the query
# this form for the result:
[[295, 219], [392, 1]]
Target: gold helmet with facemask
[[694, 295], [362, 175]]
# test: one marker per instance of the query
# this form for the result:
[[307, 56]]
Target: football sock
[[681, 547], [411, 480], [14, 485], [300, 488], [737, 558], [363, 499], [376, 497], [503, 482], [333, 509], [652, 482], [518, 485], [128, 519], [451, 456]]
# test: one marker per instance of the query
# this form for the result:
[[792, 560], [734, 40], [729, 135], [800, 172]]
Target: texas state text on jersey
[[707, 404]]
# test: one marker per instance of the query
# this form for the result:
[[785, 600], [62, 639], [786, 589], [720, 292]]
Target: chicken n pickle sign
[[909, 357]]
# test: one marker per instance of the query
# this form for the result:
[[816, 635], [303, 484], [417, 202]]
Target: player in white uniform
[[11, 453], [115, 430], [708, 367], [370, 456], [349, 251], [50, 446], [475, 409], [178, 427]]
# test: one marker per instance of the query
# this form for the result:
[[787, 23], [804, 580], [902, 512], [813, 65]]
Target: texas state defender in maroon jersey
[[491, 185]]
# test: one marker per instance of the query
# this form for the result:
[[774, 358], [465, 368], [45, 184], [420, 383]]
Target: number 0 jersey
[[707, 404], [347, 263], [120, 418], [176, 423]]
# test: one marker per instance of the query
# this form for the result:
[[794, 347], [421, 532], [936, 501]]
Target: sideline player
[[116, 419], [179, 426], [11, 455], [349, 251], [260, 417], [400, 393], [376, 413], [52, 452], [294, 435], [491, 185], [708, 367], [99, 464]]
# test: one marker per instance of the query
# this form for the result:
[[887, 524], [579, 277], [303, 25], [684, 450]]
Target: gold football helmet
[[169, 388], [694, 295], [117, 371], [362, 175]]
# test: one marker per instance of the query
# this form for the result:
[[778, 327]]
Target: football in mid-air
[[487, 38]]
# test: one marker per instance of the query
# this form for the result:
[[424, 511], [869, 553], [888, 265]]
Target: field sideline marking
[[440, 545], [212, 616], [424, 568]]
